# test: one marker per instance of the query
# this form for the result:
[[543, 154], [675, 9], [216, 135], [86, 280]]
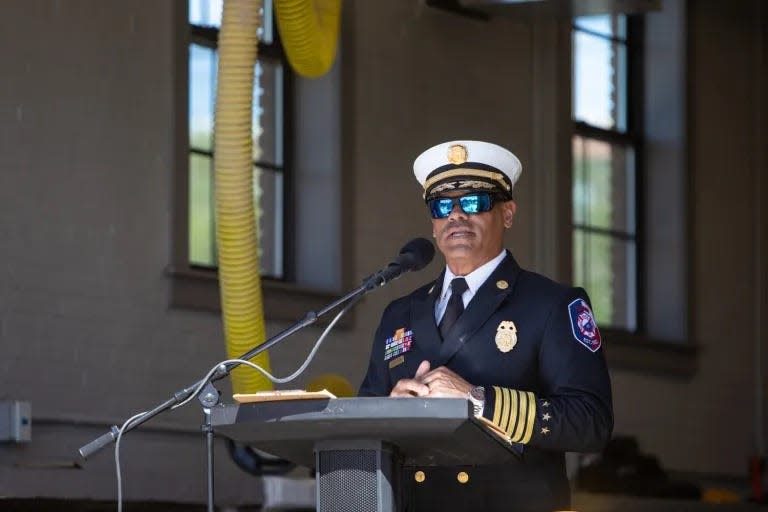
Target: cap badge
[[502, 284], [457, 154], [506, 336]]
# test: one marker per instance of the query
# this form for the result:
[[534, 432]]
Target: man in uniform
[[526, 351]]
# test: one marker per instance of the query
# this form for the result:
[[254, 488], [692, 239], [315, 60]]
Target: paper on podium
[[278, 394]]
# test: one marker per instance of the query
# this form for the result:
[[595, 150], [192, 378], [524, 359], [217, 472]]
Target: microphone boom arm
[[181, 395], [415, 255]]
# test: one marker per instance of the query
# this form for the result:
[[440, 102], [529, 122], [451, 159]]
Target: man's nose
[[457, 212]]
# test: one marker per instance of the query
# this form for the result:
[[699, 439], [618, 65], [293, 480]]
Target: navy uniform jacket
[[550, 391]]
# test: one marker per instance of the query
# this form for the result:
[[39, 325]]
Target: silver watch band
[[476, 395]]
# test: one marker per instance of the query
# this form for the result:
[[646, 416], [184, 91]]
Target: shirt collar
[[476, 278]]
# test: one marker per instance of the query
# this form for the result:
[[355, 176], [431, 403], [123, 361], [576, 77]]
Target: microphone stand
[[209, 395]]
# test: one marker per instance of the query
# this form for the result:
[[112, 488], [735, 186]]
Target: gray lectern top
[[426, 431]]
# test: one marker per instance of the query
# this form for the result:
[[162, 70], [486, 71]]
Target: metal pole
[[208, 429], [209, 397]]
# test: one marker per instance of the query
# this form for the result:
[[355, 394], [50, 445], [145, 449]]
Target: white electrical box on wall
[[15, 421]]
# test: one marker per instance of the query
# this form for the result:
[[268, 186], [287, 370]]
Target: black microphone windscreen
[[416, 254]]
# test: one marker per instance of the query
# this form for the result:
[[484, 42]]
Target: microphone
[[415, 255]]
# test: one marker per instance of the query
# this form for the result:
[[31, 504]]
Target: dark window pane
[[606, 267], [265, 32], [268, 112], [603, 185], [202, 241], [599, 81], [268, 194]]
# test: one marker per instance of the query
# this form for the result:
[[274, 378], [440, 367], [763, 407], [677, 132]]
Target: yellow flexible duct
[[309, 30], [236, 236]]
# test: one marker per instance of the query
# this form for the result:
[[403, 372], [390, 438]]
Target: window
[[605, 149], [630, 182], [204, 18], [286, 108]]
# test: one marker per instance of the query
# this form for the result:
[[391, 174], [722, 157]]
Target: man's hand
[[438, 383], [414, 386], [444, 383]]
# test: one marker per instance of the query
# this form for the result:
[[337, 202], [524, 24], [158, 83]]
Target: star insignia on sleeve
[[546, 416], [545, 430], [545, 403]]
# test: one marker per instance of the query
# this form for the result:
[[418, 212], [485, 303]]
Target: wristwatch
[[476, 395]]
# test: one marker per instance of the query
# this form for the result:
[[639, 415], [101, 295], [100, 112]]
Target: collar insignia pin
[[506, 336], [502, 284]]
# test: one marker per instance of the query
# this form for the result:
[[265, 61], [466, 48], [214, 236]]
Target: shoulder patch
[[583, 325]]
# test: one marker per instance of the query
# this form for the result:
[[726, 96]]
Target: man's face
[[469, 240]]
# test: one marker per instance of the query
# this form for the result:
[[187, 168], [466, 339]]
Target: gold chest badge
[[506, 336]]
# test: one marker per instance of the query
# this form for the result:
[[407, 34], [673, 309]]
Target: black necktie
[[455, 306]]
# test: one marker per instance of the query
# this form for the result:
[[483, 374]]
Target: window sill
[[283, 302], [642, 354]]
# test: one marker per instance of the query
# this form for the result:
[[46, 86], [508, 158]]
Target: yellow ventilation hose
[[236, 236], [309, 30]]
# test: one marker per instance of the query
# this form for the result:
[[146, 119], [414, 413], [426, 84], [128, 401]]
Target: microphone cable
[[117, 458], [201, 384]]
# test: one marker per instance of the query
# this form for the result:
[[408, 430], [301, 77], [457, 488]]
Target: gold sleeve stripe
[[502, 413], [518, 435], [504, 419], [497, 406], [531, 417], [513, 412]]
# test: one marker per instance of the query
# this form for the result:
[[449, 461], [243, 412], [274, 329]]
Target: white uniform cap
[[467, 164]]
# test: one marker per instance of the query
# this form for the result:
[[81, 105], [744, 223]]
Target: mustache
[[456, 223]]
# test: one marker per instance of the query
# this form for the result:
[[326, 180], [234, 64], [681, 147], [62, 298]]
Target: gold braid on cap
[[462, 172], [462, 184]]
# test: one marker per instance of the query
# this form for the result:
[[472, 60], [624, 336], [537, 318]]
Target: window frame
[[631, 138], [208, 37], [658, 347], [197, 288]]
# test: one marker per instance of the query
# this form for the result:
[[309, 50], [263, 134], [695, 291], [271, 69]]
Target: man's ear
[[509, 213]]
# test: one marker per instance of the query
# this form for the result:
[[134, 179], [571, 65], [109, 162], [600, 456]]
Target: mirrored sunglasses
[[471, 204]]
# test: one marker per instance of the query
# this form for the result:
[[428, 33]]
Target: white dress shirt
[[475, 280]]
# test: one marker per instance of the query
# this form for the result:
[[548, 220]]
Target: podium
[[358, 446]]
